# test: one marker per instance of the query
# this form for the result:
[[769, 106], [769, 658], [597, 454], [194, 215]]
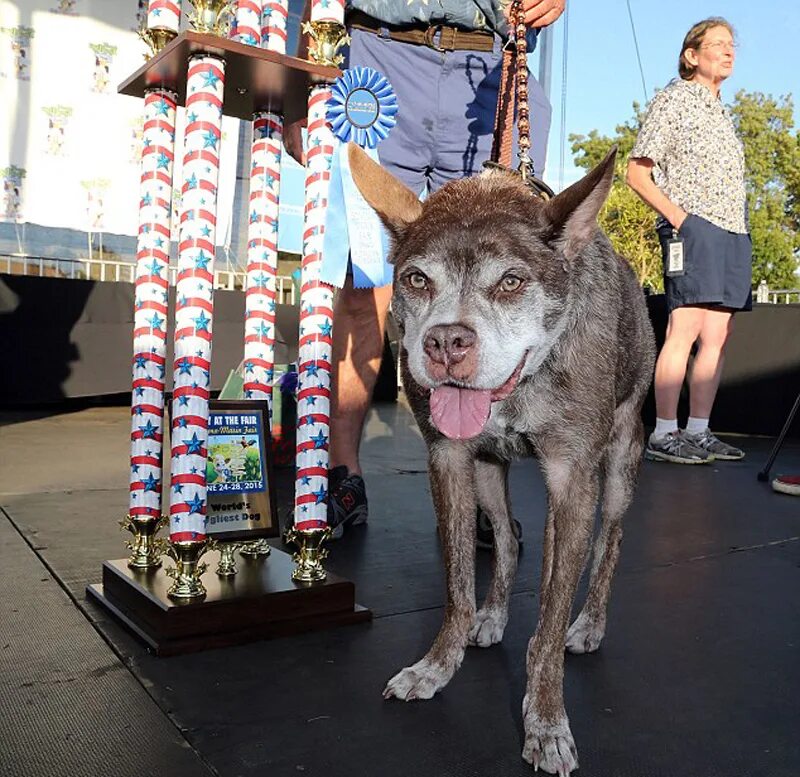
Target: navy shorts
[[718, 266]]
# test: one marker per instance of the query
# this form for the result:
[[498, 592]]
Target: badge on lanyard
[[362, 110], [675, 255]]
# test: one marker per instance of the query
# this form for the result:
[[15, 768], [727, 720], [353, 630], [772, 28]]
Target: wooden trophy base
[[259, 602]]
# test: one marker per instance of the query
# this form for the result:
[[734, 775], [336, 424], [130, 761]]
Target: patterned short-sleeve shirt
[[698, 158]]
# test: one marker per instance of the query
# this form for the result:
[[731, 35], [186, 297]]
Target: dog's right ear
[[395, 203]]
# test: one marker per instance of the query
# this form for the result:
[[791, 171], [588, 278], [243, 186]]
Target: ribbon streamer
[[362, 109]]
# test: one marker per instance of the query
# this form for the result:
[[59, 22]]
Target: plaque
[[241, 495]]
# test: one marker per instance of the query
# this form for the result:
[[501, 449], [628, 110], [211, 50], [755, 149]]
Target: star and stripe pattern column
[[247, 22], [316, 311], [262, 243], [194, 298], [262, 258], [316, 325], [274, 17], [164, 15], [328, 11], [151, 304]]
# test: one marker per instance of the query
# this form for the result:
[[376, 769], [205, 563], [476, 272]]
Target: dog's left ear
[[395, 203], [572, 214]]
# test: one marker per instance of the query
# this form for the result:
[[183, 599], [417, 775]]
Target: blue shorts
[[718, 266], [447, 103]]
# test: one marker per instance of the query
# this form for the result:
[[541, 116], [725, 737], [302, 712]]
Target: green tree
[[772, 159], [628, 222]]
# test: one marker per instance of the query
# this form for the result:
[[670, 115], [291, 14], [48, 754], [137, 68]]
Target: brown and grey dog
[[522, 333]]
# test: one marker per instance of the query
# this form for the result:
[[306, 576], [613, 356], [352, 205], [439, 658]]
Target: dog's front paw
[[585, 635], [488, 627], [419, 681], [549, 746]]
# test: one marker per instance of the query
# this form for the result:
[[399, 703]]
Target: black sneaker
[[484, 534], [347, 500]]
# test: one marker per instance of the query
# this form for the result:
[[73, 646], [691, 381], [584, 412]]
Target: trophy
[[328, 37], [156, 38], [145, 548], [212, 16], [188, 569], [310, 553]]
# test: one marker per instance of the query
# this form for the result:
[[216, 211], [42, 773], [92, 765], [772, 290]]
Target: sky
[[603, 77]]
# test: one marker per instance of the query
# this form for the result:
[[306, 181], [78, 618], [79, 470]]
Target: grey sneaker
[[677, 448], [718, 449]]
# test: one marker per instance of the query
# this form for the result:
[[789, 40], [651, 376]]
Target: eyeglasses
[[719, 45]]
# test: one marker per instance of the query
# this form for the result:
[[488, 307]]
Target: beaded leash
[[514, 90]]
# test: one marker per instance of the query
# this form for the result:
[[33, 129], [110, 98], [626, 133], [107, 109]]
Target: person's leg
[[359, 318], [667, 442], [703, 384], [682, 330], [706, 371]]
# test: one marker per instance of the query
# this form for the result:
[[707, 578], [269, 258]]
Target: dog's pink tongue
[[460, 413]]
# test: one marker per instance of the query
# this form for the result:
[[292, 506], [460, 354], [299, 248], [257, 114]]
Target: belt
[[450, 38]]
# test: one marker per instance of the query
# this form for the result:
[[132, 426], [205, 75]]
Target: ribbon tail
[[368, 242], [336, 243]]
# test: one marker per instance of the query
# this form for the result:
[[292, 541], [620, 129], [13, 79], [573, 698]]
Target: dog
[[522, 333]]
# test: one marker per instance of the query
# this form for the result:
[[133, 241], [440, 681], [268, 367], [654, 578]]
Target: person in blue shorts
[[688, 165], [443, 59]]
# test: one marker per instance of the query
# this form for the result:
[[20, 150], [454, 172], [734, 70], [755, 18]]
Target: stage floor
[[699, 674]]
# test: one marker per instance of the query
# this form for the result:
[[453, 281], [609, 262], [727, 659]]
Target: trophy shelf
[[260, 602], [255, 78]]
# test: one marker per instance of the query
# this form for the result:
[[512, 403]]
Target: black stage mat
[[68, 705], [679, 513], [699, 674]]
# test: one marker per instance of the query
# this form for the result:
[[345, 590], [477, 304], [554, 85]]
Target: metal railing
[[123, 272], [776, 296]]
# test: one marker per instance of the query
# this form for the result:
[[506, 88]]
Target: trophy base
[[260, 602]]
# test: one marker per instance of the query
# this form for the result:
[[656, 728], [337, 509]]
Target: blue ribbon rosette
[[361, 109]]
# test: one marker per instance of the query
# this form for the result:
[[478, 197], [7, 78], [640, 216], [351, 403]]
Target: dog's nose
[[449, 343]]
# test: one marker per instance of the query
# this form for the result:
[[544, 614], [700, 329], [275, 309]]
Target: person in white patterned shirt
[[688, 165]]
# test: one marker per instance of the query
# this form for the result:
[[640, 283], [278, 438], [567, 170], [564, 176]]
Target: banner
[[70, 146]]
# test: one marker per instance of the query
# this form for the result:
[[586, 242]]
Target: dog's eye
[[510, 283], [417, 280]]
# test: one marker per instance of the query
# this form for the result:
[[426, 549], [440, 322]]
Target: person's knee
[[713, 342], [681, 338], [716, 334]]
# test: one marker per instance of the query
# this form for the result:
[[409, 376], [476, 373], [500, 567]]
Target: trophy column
[[311, 529], [150, 329], [194, 311]]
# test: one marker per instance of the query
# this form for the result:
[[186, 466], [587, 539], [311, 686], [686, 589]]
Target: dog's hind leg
[[572, 494], [452, 473], [620, 469], [492, 485]]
